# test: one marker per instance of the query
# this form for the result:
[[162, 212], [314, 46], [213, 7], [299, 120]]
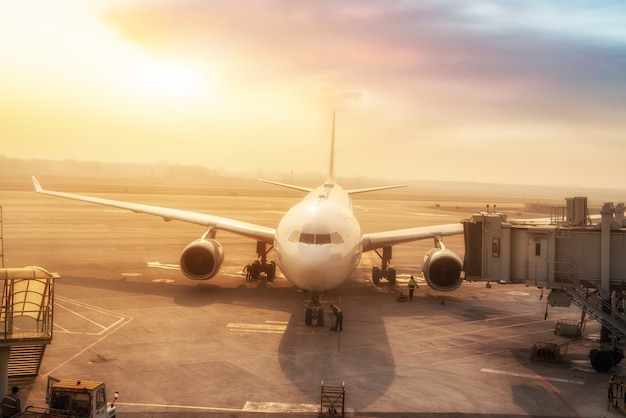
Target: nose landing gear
[[314, 313]]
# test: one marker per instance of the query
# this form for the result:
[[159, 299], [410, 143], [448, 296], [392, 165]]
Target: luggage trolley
[[332, 400]]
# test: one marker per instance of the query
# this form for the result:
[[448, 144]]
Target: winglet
[[38, 187]]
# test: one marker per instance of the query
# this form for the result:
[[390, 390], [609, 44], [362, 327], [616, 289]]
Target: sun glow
[[100, 66], [166, 79]]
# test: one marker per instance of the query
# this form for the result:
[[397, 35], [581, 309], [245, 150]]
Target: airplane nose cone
[[314, 268]]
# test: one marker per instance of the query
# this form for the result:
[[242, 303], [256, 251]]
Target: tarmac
[[125, 315]]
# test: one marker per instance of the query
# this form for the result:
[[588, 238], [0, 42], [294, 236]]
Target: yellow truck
[[74, 398]]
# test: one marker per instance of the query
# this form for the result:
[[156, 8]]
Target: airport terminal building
[[578, 257]]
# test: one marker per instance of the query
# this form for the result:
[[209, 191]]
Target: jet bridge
[[580, 261]]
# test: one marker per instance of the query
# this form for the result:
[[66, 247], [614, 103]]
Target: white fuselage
[[318, 241]]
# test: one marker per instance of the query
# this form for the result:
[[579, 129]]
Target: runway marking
[[465, 358], [104, 328], [165, 266], [124, 318], [446, 336], [429, 214], [304, 329], [533, 376], [277, 407], [167, 406], [248, 407], [272, 327]]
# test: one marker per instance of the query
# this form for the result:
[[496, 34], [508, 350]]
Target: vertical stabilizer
[[331, 171]]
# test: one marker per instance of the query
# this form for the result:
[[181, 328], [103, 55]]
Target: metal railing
[[26, 310], [20, 325], [607, 307]]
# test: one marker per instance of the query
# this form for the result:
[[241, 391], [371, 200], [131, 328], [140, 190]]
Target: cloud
[[442, 78], [381, 45]]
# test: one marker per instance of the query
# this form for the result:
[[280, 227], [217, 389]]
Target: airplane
[[317, 244]]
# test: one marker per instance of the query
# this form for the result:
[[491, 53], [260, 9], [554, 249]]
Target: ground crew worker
[[412, 286], [338, 318], [11, 404]]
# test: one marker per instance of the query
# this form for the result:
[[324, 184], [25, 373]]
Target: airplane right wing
[[249, 230]]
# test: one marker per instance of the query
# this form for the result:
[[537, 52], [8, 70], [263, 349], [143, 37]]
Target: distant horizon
[[194, 174]]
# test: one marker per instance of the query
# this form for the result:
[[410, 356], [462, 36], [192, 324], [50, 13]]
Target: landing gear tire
[[271, 271], [602, 361], [391, 276], [255, 270], [314, 315], [376, 275], [252, 271]]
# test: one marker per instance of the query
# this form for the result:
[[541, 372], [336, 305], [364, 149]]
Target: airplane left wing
[[375, 240], [400, 236], [245, 229]]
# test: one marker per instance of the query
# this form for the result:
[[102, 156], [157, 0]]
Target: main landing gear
[[385, 270], [260, 266], [314, 313]]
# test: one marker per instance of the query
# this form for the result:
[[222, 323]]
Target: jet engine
[[202, 259], [442, 269]]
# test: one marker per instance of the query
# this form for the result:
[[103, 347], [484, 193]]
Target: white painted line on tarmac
[[268, 407], [128, 319], [172, 406], [261, 331], [104, 328], [62, 329], [533, 376], [277, 407], [269, 328], [166, 266]]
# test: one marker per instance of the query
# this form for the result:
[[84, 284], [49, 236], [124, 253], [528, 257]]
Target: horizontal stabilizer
[[289, 186], [353, 191], [373, 189]]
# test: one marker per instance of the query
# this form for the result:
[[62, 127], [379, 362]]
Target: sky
[[516, 91]]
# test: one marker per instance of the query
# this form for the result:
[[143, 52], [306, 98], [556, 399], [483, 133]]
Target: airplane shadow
[[360, 356]]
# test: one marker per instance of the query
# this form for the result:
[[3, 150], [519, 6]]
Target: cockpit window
[[318, 239], [307, 238], [322, 239], [336, 238]]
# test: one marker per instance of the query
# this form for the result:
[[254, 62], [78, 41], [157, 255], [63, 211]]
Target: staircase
[[25, 360], [605, 307]]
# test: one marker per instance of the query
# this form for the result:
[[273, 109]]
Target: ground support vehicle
[[74, 398]]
